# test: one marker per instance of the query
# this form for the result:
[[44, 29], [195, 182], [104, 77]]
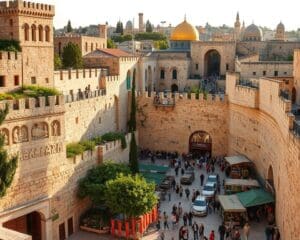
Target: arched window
[[162, 73], [47, 34], [33, 32], [86, 47], [92, 47], [41, 33], [26, 32], [174, 74], [128, 80]]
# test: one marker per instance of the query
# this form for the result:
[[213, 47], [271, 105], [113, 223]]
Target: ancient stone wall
[[169, 127], [10, 71]]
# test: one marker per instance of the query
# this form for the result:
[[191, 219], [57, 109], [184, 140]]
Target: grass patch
[[30, 91]]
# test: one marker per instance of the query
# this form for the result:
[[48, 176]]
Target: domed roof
[[252, 33], [280, 25], [129, 25], [185, 32]]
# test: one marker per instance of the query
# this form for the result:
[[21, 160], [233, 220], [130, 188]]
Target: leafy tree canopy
[[149, 27], [150, 36], [72, 56], [130, 195], [69, 27], [93, 184]]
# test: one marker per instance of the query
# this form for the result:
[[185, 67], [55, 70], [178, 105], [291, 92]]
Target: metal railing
[[167, 102], [248, 83]]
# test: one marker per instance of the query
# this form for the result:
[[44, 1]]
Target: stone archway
[[294, 95], [150, 80], [174, 88], [200, 143], [212, 63], [270, 180], [29, 224]]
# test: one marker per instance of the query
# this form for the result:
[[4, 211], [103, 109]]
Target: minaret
[[141, 22], [280, 32], [237, 28]]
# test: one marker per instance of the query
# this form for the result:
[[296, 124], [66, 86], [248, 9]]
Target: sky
[[216, 12]]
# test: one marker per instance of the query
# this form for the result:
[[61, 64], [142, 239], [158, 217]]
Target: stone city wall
[[10, 70]]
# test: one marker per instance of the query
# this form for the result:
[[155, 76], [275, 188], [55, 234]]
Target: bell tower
[[32, 25], [237, 28]]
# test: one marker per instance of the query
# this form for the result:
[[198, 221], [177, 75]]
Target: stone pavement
[[211, 221]]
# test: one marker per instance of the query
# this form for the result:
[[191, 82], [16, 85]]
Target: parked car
[[209, 189], [199, 207], [187, 178], [212, 178]]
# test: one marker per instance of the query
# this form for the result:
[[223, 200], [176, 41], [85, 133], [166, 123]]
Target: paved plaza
[[211, 221]]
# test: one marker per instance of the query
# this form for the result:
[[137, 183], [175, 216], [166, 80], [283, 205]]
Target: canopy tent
[[235, 160], [157, 178], [231, 203], [150, 168], [255, 197], [241, 182]]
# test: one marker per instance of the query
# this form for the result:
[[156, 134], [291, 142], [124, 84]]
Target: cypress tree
[[133, 156], [7, 166]]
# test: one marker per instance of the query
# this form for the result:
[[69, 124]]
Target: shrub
[[88, 145], [74, 149], [97, 140], [113, 136], [10, 45]]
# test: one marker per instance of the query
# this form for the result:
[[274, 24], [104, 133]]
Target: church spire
[[237, 17]]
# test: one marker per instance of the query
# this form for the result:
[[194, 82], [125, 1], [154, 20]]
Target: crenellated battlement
[[77, 74], [10, 56], [84, 95], [27, 8], [128, 59], [31, 107], [163, 98], [115, 78]]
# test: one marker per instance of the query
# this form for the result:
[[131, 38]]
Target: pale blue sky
[[216, 12]]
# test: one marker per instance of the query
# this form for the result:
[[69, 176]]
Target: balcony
[[248, 83], [163, 102]]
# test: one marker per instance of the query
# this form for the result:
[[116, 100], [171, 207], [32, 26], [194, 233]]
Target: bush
[[88, 145], [97, 140], [113, 136], [10, 45], [74, 149]]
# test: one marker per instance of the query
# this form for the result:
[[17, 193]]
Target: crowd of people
[[182, 220]]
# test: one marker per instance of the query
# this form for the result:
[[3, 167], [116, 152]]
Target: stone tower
[[237, 28], [141, 22], [32, 25], [103, 31], [280, 32]]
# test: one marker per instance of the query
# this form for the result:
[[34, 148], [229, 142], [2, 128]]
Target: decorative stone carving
[[24, 134], [55, 126], [40, 131], [16, 135], [5, 133], [201, 137]]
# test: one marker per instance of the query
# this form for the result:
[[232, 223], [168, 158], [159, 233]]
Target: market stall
[[233, 212], [232, 185], [238, 167]]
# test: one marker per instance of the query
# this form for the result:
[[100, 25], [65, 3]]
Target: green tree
[[57, 62], [130, 195], [8, 165], [93, 184], [149, 27], [71, 56], [161, 44], [122, 38], [120, 28], [150, 36], [69, 27], [111, 43], [133, 156]]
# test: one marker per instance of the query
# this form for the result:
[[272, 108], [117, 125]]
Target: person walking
[[187, 193], [246, 231], [212, 235], [202, 179], [179, 209], [169, 195], [180, 191], [201, 230], [190, 218], [222, 230], [195, 228], [173, 219], [165, 217], [185, 218]]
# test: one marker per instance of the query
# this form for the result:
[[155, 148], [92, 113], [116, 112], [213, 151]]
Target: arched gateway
[[200, 143]]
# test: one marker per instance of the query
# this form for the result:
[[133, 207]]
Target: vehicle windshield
[[212, 179], [199, 203], [208, 188]]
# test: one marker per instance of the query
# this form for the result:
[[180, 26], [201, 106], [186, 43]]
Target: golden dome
[[184, 32]]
